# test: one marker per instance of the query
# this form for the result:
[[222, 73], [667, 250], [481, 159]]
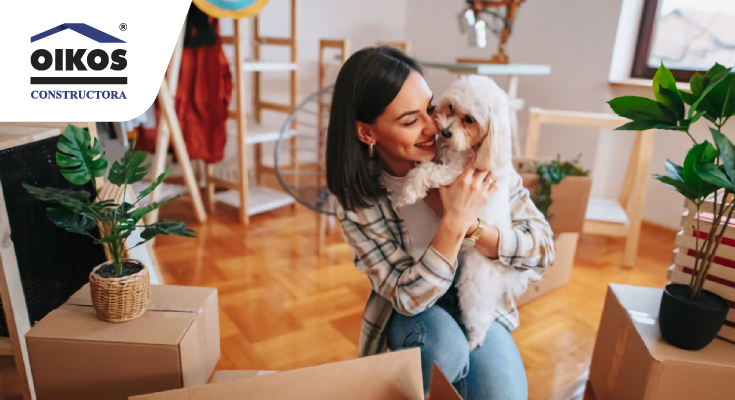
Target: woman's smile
[[429, 145]]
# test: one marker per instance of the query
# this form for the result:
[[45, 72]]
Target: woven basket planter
[[120, 299]]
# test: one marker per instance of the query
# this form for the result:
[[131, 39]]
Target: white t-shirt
[[420, 220]]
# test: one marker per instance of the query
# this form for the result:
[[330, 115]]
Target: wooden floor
[[284, 307]]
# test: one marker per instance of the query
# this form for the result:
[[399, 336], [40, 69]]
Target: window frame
[[643, 47]]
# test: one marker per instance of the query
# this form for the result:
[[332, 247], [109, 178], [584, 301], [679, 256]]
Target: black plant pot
[[690, 324]]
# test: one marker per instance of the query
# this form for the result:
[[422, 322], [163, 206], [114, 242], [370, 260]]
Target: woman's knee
[[439, 337]]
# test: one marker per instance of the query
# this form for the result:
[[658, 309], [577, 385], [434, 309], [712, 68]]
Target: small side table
[[513, 70], [631, 361]]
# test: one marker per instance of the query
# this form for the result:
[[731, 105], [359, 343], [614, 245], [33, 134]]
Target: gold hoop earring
[[371, 152]]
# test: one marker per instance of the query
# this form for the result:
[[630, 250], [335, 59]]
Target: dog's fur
[[484, 284]]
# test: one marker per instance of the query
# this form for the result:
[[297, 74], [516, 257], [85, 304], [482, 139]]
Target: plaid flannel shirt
[[378, 236]]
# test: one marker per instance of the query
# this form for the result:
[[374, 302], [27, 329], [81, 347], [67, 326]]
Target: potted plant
[[120, 286], [690, 317]]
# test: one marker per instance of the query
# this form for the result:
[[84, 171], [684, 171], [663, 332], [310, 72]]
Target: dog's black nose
[[446, 133]]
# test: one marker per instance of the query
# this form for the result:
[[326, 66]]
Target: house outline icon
[[83, 29]]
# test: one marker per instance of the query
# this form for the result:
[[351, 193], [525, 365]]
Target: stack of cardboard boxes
[[721, 278]]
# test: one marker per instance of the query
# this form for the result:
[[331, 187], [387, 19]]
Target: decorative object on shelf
[[497, 16], [690, 317], [231, 8], [120, 287]]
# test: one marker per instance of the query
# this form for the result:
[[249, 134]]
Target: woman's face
[[406, 132]]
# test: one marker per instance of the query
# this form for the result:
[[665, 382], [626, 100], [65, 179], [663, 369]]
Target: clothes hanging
[[203, 94]]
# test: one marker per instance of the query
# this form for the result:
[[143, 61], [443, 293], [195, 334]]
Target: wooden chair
[[326, 63], [404, 46], [621, 217]]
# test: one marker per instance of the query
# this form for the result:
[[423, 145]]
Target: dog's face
[[459, 129], [472, 112]]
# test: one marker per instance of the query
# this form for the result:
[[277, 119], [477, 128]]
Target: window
[[687, 35]]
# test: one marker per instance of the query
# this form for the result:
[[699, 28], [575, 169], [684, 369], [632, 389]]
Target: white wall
[[576, 38]]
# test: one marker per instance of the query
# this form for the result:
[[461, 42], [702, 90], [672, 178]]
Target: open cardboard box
[[390, 376]]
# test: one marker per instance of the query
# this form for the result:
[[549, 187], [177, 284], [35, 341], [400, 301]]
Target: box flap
[[394, 375], [642, 306], [441, 389], [163, 298], [81, 323], [229, 376]]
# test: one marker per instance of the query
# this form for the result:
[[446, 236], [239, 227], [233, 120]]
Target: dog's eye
[[451, 110], [468, 119], [431, 110]]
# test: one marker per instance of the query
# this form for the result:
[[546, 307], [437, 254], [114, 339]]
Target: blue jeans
[[493, 371]]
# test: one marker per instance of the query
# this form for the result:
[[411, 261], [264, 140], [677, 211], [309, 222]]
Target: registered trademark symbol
[[123, 26]]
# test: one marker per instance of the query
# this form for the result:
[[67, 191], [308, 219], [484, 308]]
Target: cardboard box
[[569, 205], [391, 376], [558, 273], [631, 361], [74, 355]]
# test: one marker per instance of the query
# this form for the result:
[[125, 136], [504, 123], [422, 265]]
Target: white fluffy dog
[[474, 118]]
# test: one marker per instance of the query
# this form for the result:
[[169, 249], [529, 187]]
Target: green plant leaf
[[79, 158], [666, 92], [642, 108], [71, 199], [713, 174], [130, 169], [711, 80], [726, 152], [140, 212], [721, 100], [167, 228], [681, 187], [155, 183], [642, 125], [689, 98], [70, 220], [701, 153], [675, 171], [696, 84]]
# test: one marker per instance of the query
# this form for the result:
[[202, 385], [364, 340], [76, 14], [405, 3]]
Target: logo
[[79, 66]]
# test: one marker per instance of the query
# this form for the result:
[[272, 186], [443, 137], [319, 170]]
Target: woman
[[381, 125]]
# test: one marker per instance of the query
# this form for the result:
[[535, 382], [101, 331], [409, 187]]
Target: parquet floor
[[284, 307]]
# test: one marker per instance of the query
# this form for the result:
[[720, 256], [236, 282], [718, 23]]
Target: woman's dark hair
[[367, 83]]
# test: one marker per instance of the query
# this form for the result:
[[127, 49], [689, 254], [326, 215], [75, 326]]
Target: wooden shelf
[[13, 136], [491, 69], [256, 133], [264, 66], [260, 199], [606, 210]]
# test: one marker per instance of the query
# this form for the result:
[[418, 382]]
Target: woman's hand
[[463, 200]]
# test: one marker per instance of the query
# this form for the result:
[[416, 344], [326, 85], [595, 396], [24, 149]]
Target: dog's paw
[[474, 342]]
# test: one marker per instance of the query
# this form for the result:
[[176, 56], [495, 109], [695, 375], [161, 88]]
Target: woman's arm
[[414, 285], [529, 243], [410, 285]]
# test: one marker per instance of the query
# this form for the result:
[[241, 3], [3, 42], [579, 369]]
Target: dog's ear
[[495, 151]]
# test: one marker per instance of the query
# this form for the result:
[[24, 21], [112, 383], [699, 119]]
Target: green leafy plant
[[82, 160], [551, 174], [708, 168]]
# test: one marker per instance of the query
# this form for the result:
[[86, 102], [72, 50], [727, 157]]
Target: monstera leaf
[[130, 169], [167, 228], [79, 158], [70, 220], [71, 199]]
